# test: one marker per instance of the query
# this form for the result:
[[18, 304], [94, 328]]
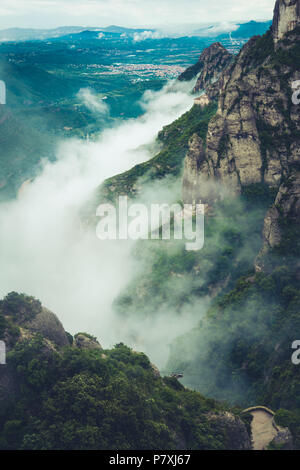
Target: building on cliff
[[202, 100]]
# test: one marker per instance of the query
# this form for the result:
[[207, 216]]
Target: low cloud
[[44, 249], [137, 37], [51, 13], [216, 29], [92, 101]]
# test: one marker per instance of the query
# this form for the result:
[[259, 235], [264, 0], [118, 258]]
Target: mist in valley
[[45, 250]]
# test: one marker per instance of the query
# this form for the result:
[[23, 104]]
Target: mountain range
[[242, 30]]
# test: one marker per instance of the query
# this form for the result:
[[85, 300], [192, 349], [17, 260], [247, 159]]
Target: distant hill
[[23, 34], [242, 30], [248, 30], [121, 29], [29, 34]]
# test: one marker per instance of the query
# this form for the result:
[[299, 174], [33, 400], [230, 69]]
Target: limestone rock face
[[84, 341], [286, 18], [254, 136], [47, 324], [286, 208], [214, 60], [194, 163], [209, 69], [236, 431]]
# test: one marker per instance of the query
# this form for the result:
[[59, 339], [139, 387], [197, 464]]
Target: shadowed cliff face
[[281, 226], [286, 18], [194, 160]]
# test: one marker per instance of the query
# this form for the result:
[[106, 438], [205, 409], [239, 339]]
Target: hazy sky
[[52, 13]]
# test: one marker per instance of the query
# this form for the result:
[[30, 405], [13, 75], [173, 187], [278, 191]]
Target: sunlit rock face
[[254, 136], [286, 18], [214, 60]]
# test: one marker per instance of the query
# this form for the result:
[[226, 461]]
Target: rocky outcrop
[[195, 161], [47, 324], [286, 18], [283, 215], [85, 341], [210, 67], [254, 138], [215, 59], [236, 431]]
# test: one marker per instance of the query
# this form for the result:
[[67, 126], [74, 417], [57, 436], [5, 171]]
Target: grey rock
[[286, 207], [254, 136], [47, 324], [286, 18], [284, 439], [84, 341], [234, 428]]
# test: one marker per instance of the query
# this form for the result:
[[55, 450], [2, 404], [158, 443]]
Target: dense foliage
[[98, 399], [169, 161]]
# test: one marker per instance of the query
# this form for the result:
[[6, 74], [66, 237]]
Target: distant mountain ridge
[[29, 34], [247, 30], [241, 30]]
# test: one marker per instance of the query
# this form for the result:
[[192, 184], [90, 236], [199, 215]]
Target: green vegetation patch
[[174, 140]]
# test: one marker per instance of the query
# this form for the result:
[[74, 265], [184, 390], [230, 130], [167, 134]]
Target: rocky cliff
[[286, 18], [209, 68], [255, 134], [194, 161], [214, 61], [281, 226], [254, 138]]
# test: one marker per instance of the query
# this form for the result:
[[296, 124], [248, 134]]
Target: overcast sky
[[53, 13]]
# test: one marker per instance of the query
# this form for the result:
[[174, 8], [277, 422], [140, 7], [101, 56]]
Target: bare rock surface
[[47, 324], [236, 431], [85, 341], [286, 17]]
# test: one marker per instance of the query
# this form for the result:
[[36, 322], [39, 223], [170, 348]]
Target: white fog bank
[[43, 250]]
